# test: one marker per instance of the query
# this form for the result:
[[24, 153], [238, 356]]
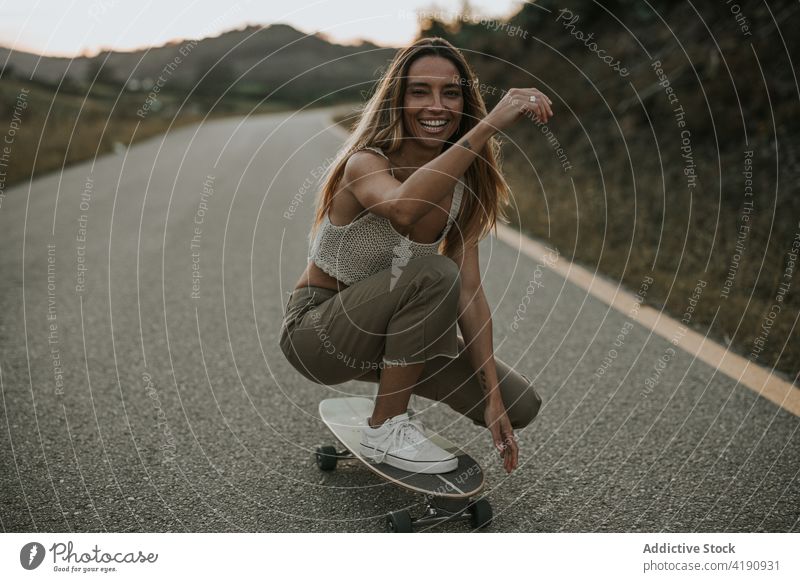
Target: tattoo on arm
[[466, 144]]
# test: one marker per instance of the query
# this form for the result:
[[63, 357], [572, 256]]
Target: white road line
[[750, 375]]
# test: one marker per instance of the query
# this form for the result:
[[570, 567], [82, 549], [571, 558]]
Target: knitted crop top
[[351, 252]]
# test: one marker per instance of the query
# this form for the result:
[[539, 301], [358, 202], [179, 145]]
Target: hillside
[[685, 169]]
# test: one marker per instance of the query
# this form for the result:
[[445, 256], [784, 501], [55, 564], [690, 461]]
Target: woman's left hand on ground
[[502, 434]]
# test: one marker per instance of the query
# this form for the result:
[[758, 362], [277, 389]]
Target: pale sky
[[73, 27]]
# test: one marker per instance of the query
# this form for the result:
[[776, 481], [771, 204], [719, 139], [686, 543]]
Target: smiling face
[[433, 101]]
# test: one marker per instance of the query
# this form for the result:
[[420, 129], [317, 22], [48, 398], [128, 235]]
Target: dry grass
[[57, 130], [679, 239]]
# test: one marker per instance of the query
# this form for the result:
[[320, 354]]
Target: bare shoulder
[[367, 177], [363, 163]]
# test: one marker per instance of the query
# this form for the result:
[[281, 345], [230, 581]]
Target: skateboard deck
[[345, 417]]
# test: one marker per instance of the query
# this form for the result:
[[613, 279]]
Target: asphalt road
[[143, 389]]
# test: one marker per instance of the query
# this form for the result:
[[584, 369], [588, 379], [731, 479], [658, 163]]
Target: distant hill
[[266, 57], [78, 108]]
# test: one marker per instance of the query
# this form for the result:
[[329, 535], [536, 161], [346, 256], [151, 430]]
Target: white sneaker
[[401, 442]]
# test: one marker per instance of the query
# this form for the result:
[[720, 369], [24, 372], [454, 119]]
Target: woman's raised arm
[[404, 203]]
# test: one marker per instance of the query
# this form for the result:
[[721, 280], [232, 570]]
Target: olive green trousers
[[402, 315]]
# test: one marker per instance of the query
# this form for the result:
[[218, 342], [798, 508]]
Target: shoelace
[[409, 430]]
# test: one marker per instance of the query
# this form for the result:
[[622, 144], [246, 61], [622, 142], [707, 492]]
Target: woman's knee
[[524, 406], [436, 270]]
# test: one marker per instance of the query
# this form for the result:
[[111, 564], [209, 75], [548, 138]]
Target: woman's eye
[[455, 94]]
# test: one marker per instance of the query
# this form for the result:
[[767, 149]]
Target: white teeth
[[434, 126], [437, 123]]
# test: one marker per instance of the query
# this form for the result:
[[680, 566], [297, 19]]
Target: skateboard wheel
[[399, 522], [326, 458], [480, 514]]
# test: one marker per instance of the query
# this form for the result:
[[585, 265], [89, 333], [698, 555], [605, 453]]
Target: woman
[[393, 266]]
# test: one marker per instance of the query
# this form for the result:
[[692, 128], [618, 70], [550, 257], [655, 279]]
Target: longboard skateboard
[[448, 495]]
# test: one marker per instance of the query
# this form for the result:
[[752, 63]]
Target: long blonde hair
[[380, 124]]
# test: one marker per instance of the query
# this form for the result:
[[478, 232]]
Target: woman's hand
[[516, 104], [496, 419]]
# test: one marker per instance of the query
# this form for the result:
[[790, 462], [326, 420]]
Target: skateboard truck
[[440, 510]]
